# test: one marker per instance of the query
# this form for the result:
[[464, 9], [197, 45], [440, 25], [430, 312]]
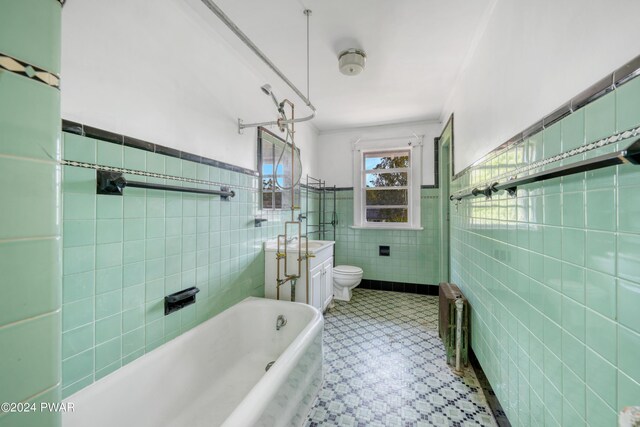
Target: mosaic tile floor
[[385, 366]]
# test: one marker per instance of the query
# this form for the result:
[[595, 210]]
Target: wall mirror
[[275, 165]]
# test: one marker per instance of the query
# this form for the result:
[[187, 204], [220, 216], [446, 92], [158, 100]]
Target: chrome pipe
[[242, 125], [459, 307], [243, 37]]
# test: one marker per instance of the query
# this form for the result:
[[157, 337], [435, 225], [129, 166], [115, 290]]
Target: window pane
[[387, 215], [386, 197], [267, 183], [267, 200], [394, 179], [386, 160]]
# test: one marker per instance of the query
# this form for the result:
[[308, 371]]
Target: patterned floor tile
[[385, 366]]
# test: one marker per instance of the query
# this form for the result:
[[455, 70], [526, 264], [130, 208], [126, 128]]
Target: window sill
[[407, 228]]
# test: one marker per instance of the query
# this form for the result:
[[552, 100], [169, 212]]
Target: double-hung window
[[387, 193]]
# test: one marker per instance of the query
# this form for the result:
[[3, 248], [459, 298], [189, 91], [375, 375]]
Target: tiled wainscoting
[[414, 257], [553, 274], [123, 254], [30, 241]]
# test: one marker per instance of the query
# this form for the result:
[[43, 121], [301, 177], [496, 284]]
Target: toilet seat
[[347, 269]]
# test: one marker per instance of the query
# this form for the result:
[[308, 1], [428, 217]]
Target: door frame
[[445, 174]]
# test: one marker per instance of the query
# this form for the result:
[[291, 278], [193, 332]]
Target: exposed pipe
[[243, 37], [459, 307], [307, 13]]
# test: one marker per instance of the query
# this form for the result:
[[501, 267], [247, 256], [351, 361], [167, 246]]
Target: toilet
[[345, 278]]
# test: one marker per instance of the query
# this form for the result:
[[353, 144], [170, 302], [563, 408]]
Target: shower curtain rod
[[247, 41]]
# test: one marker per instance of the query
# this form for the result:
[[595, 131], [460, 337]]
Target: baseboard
[[494, 404], [410, 288]]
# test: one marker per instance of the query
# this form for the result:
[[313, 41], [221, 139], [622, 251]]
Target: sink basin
[[314, 245]]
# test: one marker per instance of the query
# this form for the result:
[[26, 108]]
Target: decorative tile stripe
[[153, 175], [523, 171], [119, 139], [31, 71], [580, 150], [422, 187], [612, 81], [350, 197]]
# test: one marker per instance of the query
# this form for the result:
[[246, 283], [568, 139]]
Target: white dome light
[[351, 61]]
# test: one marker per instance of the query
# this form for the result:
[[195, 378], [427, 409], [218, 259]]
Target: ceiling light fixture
[[351, 61]]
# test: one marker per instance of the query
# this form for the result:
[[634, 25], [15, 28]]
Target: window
[[274, 166], [386, 184], [387, 194]]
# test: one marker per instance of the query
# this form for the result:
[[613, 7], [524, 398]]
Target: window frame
[[414, 172]]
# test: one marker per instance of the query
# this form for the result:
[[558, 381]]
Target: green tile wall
[[553, 276], [30, 31], [415, 255], [122, 255], [30, 227]]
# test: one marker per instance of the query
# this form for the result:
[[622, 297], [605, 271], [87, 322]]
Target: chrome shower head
[[268, 91]]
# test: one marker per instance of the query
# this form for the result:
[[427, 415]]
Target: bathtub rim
[[252, 405], [273, 378]]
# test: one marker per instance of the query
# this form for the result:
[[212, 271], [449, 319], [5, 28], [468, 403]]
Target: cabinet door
[[317, 276], [327, 266]]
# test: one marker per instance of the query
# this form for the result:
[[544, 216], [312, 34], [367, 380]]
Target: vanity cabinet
[[320, 274], [322, 284]]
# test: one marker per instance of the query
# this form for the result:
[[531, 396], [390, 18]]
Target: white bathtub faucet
[[280, 322]]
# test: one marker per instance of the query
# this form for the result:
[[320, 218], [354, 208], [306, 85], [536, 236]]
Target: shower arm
[[243, 37], [279, 122]]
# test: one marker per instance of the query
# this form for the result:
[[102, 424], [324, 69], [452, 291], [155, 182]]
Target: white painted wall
[[335, 155], [160, 71], [532, 57]]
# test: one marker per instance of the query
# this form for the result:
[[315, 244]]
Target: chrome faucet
[[291, 239], [280, 322]]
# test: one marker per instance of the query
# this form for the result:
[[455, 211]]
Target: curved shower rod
[[243, 37]]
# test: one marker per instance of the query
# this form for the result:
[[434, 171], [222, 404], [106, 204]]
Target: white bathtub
[[215, 374]]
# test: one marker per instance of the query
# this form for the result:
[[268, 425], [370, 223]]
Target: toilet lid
[[349, 269]]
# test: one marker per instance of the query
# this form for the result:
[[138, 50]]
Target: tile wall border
[[612, 81], [409, 288], [119, 139]]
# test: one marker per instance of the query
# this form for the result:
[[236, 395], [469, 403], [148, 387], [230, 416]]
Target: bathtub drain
[[269, 365]]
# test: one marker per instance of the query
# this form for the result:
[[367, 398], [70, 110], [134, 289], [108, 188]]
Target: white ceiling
[[415, 49]]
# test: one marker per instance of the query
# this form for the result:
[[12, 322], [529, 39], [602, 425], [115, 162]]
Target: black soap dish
[[180, 299]]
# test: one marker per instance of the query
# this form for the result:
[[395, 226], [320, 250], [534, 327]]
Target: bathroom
[[156, 204]]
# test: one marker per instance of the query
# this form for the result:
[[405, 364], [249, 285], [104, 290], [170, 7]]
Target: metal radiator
[[448, 293]]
